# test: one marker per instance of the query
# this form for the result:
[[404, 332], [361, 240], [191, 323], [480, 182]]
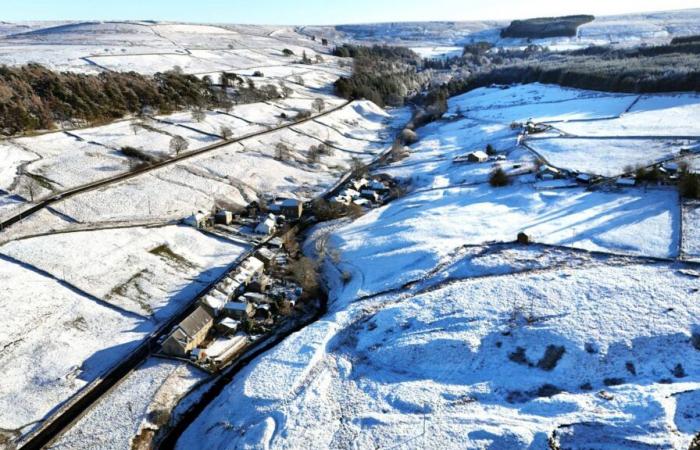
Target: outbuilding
[[197, 220], [238, 310], [223, 217], [290, 208], [477, 156], [228, 326]]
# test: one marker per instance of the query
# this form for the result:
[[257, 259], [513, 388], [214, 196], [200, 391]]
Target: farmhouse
[[378, 186], [197, 220], [290, 208], [189, 333], [265, 255], [267, 226]]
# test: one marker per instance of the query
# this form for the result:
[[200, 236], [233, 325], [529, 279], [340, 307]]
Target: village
[[262, 291]]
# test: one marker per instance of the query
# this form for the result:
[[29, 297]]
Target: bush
[[499, 178], [258, 73], [287, 52], [408, 137], [651, 175], [551, 357], [490, 150], [689, 185]]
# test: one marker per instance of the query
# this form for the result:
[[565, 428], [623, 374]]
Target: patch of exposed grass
[[167, 254], [132, 290]]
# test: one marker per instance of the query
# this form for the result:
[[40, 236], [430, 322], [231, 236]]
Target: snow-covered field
[[55, 340], [140, 403], [442, 333], [147, 271], [608, 157], [495, 362], [79, 302]]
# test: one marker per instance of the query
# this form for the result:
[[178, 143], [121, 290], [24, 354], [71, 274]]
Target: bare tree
[[286, 90], [358, 168], [198, 115], [314, 153], [136, 125], [178, 144], [318, 104], [226, 132], [282, 151], [32, 187]]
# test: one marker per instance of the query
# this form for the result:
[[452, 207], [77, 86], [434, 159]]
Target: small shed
[[256, 298], [223, 217], [362, 202], [340, 200], [228, 326], [378, 186], [197, 220], [238, 310], [262, 312], [350, 193], [625, 182], [292, 208], [477, 156]]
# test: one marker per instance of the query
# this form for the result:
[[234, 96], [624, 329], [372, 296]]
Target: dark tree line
[[664, 68], [34, 97], [544, 27], [382, 74]]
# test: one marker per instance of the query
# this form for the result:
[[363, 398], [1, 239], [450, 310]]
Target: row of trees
[[34, 97]]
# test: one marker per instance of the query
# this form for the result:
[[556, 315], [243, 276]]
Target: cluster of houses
[[364, 192], [279, 212], [261, 221], [245, 301]]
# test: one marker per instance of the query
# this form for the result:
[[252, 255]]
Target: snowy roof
[[290, 202], [625, 182], [236, 306], [230, 323], [480, 154], [195, 322]]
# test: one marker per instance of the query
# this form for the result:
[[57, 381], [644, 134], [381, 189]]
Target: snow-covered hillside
[[440, 38], [442, 332]]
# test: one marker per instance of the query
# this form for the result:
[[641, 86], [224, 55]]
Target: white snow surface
[[442, 333]]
